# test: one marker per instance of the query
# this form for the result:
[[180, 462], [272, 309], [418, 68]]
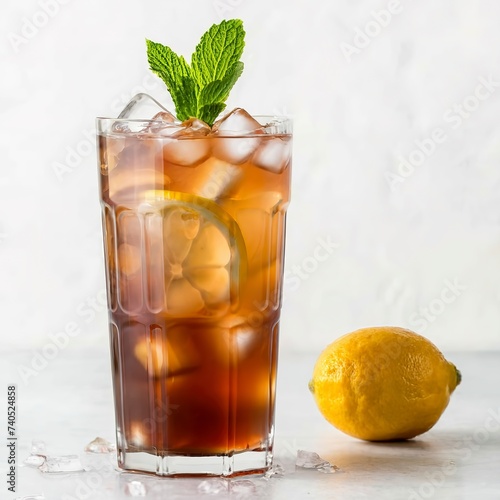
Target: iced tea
[[194, 226]]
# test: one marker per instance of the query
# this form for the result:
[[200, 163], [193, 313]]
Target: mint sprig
[[201, 89]]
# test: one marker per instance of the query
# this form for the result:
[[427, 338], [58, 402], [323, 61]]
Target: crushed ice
[[63, 463], [275, 471], [213, 486], [38, 454], [34, 461], [242, 487], [328, 469], [98, 457], [100, 445], [135, 489], [38, 447], [311, 460]]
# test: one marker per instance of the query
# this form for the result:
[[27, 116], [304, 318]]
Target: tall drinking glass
[[194, 236]]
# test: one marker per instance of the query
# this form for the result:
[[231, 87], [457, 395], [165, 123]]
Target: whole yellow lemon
[[383, 383]]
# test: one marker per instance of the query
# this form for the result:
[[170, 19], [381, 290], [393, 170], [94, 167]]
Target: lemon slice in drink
[[204, 255]]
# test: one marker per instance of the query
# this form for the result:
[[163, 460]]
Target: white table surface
[[70, 402]]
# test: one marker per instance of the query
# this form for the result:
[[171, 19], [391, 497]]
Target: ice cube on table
[[135, 489], [244, 137], [273, 154], [328, 469], [38, 447], [38, 454], [34, 460], [61, 464], [100, 445], [311, 460], [103, 463]]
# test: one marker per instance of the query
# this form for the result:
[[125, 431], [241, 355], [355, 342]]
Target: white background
[[407, 238]]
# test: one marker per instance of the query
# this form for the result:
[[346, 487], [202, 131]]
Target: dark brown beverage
[[194, 232]]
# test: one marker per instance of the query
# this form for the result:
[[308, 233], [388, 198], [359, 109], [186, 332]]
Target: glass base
[[238, 464]]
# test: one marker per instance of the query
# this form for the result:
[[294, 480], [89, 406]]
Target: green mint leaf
[[185, 99], [209, 112], [176, 73], [219, 48], [218, 90], [200, 90]]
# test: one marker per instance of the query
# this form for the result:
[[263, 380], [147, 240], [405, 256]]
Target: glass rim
[[270, 125]]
